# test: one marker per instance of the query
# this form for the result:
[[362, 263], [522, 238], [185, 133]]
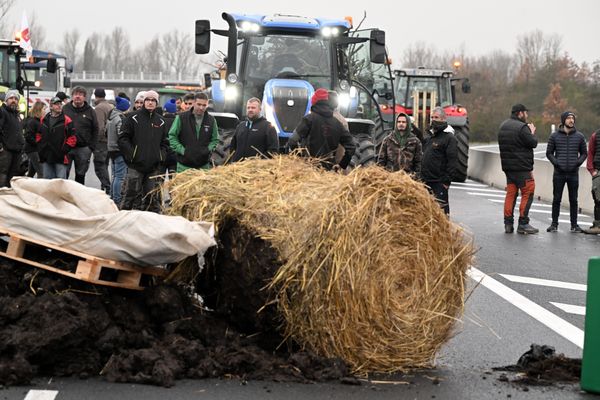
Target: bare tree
[[5, 7], [92, 53], [69, 46], [420, 54], [535, 50], [117, 50], [147, 58], [178, 53], [37, 32]]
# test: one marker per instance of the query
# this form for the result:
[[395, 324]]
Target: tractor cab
[[10, 70]]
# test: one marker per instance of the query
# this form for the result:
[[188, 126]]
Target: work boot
[[576, 229], [594, 229], [526, 229], [552, 228], [509, 228]]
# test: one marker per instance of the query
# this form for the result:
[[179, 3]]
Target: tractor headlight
[[344, 85], [344, 100], [232, 78], [231, 93], [330, 31], [248, 26]]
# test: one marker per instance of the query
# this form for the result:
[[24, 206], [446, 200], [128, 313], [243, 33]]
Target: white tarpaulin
[[80, 218]]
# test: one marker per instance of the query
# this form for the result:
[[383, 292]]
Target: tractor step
[[85, 267]]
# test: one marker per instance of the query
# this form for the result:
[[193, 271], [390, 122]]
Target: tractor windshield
[[288, 57], [8, 69], [407, 85], [46, 80]]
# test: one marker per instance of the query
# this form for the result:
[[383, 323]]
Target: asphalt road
[[504, 314]]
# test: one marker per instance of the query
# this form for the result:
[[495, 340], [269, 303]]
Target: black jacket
[[143, 140], [56, 140], [252, 138], [31, 126], [85, 123], [321, 133], [440, 157], [566, 152], [196, 153], [516, 146], [11, 131]]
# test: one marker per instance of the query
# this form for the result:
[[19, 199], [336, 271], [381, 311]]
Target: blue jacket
[[566, 151]]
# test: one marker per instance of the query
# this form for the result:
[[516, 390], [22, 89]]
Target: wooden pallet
[[89, 268]]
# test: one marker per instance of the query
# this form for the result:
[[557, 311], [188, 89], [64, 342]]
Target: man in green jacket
[[194, 135]]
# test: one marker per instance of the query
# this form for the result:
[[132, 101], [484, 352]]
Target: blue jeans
[[54, 171], [572, 180], [118, 172]]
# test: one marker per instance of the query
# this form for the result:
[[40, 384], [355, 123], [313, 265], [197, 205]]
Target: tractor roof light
[[247, 26], [329, 31]]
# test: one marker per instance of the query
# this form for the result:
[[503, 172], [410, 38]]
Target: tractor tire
[[379, 132], [221, 153], [462, 136], [365, 154]]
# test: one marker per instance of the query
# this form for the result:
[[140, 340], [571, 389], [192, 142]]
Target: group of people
[[566, 150]]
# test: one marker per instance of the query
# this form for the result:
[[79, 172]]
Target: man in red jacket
[[55, 140], [593, 166]]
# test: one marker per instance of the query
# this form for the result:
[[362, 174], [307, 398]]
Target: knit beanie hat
[[140, 96], [320, 95], [12, 93], [565, 115], [151, 94], [170, 106], [122, 103]]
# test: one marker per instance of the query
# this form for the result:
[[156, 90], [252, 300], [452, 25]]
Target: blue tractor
[[283, 59]]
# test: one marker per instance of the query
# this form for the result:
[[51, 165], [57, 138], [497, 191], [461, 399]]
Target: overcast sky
[[477, 25]]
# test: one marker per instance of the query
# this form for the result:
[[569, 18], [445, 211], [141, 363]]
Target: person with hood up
[[144, 145], [194, 135], [440, 157], [321, 133], [566, 150], [55, 141], [86, 127], [118, 166], [401, 150], [255, 136], [11, 137]]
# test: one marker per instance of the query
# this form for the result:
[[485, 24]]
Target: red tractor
[[419, 90]]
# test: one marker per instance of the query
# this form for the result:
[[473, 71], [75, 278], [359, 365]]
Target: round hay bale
[[372, 271]]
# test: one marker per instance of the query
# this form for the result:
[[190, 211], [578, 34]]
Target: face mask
[[438, 125]]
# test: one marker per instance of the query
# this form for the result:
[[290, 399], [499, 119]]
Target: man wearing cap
[[321, 133], [119, 168], [517, 140], [566, 150], [194, 135], [102, 109], [11, 138], [55, 140], [63, 97], [86, 128], [144, 144]]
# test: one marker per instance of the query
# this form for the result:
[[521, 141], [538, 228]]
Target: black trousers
[[559, 179], [439, 191]]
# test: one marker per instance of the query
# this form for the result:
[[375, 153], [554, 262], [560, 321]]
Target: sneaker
[[576, 229], [509, 228], [527, 229], [552, 228]]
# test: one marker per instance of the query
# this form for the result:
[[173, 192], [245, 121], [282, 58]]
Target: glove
[[38, 137], [71, 141]]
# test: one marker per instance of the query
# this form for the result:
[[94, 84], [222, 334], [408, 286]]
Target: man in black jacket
[[517, 140], [321, 133], [144, 144], [255, 136], [11, 138], [566, 151], [86, 129], [440, 157]]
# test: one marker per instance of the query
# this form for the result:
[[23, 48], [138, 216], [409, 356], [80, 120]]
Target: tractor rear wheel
[[221, 153], [365, 152], [462, 136]]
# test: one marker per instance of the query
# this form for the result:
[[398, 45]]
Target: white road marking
[[468, 184], [545, 282], [477, 190], [570, 308], [552, 321], [41, 395], [487, 194], [566, 221], [532, 210], [518, 203]]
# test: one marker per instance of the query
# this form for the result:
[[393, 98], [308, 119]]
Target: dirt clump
[[51, 325]]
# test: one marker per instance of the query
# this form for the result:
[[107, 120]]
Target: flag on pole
[[25, 42]]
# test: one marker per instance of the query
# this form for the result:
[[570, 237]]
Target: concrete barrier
[[484, 166]]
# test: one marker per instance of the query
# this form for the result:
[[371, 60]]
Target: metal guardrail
[[141, 76]]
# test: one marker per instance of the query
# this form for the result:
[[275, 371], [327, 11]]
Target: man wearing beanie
[[194, 135], [517, 140], [143, 143], [11, 138], [401, 150], [86, 128], [566, 150], [255, 136], [118, 166], [102, 108], [321, 133]]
